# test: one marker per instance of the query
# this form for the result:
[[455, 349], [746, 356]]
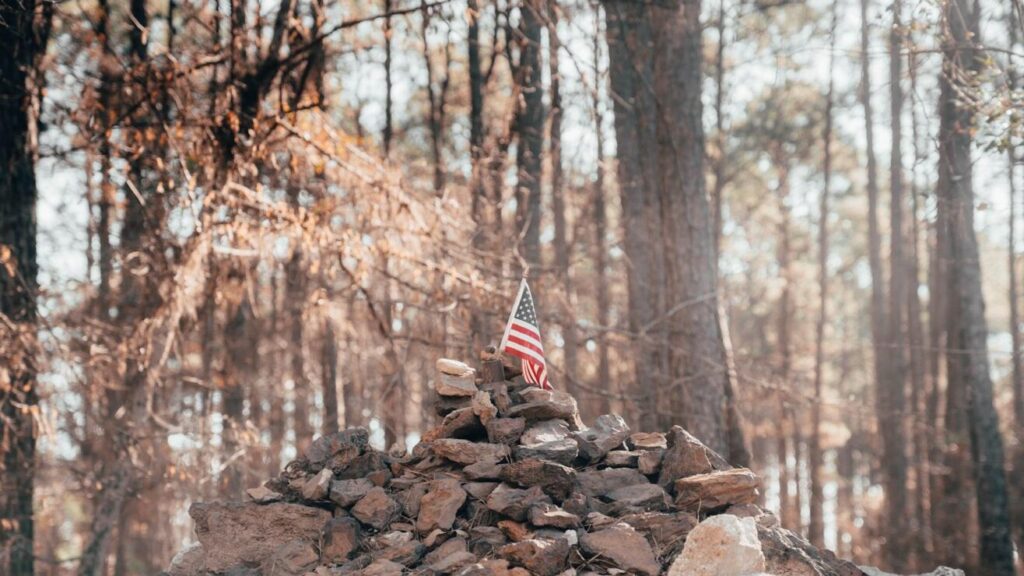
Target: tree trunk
[[240, 340], [530, 129], [967, 323], [891, 390], [19, 106], [699, 362], [601, 225], [629, 36], [816, 527], [558, 209], [295, 297], [329, 375]]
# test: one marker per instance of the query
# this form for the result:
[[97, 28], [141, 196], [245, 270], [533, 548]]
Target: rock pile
[[510, 482]]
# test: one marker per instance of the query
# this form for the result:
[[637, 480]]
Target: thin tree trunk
[[891, 391], [558, 208], [719, 163], [277, 416], [600, 222], [530, 129], [295, 297], [816, 527], [967, 321], [239, 343], [388, 84], [329, 374], [23, 44]]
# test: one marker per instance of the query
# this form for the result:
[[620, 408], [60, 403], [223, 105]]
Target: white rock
[[722, 545], [940, 571], [454, 367]]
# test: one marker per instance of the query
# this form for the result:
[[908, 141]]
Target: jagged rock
[[293, 558], [492, 568], [484, 409], [382, 567], [462, 423], [548, 406], [188, 562], [263, 495], [555, 479], [505, 430], [601, 482], [541, 557], [649, 462], [486, 539], [513, 502], [339, 447], [687, 456], [480, 490], [362, 466], [667, 530], [233, 534], [624, 546], [705, 492], [484, 470], [545, 431], [647, 441], [608, 432], [376, 509], [451, 385], [449, 557], [445, 405], [500, 396], [411, 498], [316, 487], [722, 545], [345, 493], [545, 514], [440, 505], [515, 531], [561, 451], [622, 458], [646, 496], [341, 538], [466, 452], [405, 553], [787, 553]]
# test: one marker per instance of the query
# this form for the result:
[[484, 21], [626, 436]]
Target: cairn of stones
[[511, 482]]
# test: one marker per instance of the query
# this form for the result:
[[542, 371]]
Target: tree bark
[[631, 71], [24, 42], [891, 390], [816, 527], [967, 324], [530, 129], [600, 223]]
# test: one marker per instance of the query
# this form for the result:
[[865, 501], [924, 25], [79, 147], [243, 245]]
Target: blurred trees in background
[[227, 226]]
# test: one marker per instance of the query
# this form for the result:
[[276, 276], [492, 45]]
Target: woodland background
[[227, 226]]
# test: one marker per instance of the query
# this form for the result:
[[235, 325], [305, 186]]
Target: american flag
[[522, 338]]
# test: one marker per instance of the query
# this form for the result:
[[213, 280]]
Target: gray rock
[[541, 557], [561, 451], [549, 515], [601, 482], [466, 452], [624, 546], [505, 430], [622, 458], [513, 502], [687, 456], [646, 496], [608, 432], [345, 493]]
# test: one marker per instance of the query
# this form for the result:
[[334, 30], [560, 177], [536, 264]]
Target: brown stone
[[541, 557], [263, 495], [341, 446], [449, 385], [601, 482], [561, 451], [480, 490], [549, 515], [513, 502], [649, 461], [440, 505], [376, 509], [622, 458], [667, 530], [704, 492], [505, 430], [316, 487], [515, 531], [646, 496], [466, 452], [546, 407], [293, 558], [647, 441], [340, 539], [345, 493], [687, 456], [235, 533], [556, 480], [461, 423], [484, 409], [484, 470], [623, 546]]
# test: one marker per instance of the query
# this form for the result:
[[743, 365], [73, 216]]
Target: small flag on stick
[[522, 338]]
